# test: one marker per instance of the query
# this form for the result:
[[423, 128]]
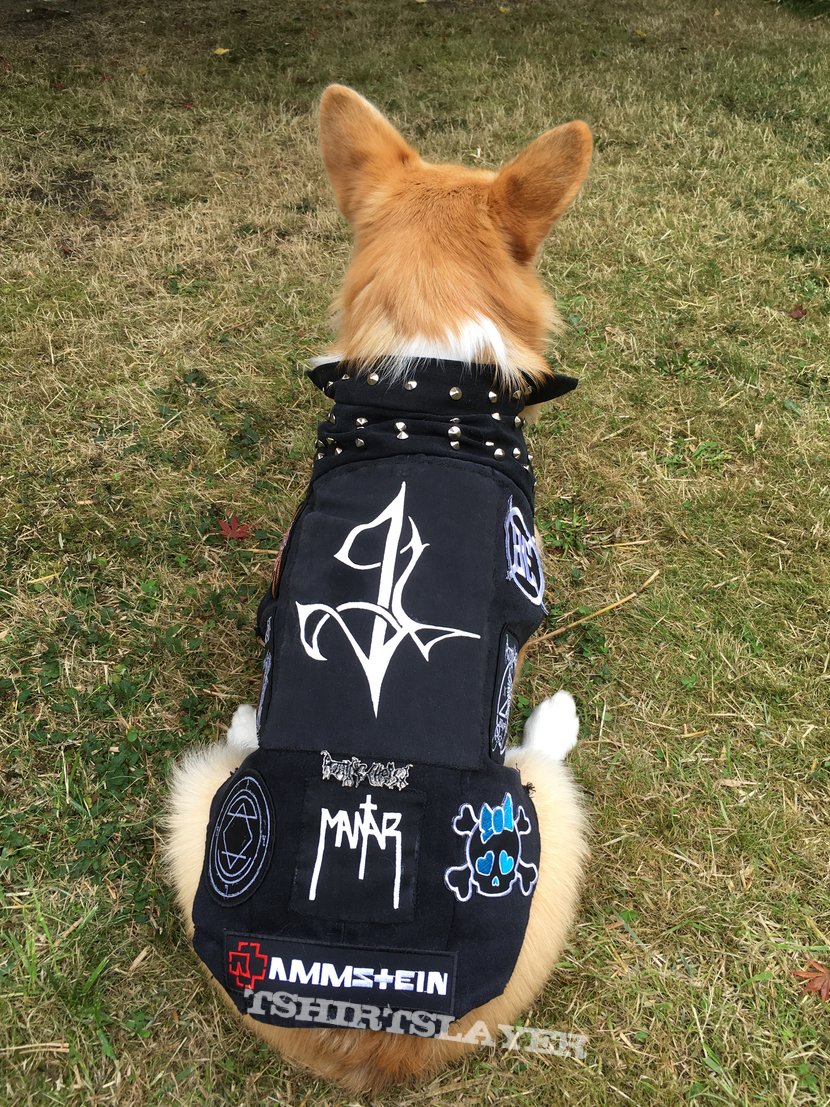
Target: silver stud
[[409, 385], [373, 378], [320, 457], [499, 452], [454, 432], [455, 420], [495, 415], [492, 397], [400, 426], [403, 434], [517, 394], [339, 450], [361, 422], [329, 384], [455, 392], [530, 457], [526, 467], [517, 453], [456, 445], [318, 445], [345, 377], [359, 443], [518, 421], [330, 441], [489, 443], [332, 416]]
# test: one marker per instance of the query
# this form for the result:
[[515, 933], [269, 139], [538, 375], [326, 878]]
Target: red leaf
[[815, 978], [797, 312], [233, 528]]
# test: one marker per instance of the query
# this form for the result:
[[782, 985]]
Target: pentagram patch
[[242, 840]]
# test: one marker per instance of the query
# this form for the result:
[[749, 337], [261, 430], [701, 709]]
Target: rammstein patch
[[242, 841]]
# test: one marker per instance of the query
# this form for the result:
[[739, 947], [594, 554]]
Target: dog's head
[[444, 255]]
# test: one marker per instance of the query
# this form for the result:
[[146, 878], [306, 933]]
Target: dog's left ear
[[534, 189], [361, 149]]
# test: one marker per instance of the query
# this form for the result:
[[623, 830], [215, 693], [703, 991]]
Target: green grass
[[169, 247]]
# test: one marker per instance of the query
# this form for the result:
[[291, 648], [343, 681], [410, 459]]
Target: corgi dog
[[366, 870]]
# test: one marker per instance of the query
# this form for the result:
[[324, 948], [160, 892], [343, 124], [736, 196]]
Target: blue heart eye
[[506, 862], [484, 865]]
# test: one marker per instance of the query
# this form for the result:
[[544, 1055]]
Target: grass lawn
[[168, 248]]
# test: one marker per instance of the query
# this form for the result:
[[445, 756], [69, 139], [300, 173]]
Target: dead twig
[[594, 614]]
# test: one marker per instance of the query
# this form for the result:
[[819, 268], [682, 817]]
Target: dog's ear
[[361, 149], [534, 189]]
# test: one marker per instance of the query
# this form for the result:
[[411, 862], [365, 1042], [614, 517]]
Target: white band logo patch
[[352, 771], [524, 564], [391, 625]]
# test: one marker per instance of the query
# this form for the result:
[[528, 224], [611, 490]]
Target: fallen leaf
[[233, 528], [797, 312], [220, 51], [815, 978], [142, 71]]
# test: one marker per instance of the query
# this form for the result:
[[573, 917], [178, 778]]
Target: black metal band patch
[[242, 841]]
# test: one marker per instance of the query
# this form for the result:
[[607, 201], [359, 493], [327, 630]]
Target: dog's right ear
[[361, 149]]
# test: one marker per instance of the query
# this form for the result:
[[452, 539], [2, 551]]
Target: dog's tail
[[553, 727]]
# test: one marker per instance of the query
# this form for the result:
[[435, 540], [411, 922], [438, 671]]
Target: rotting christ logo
[[391, 626]]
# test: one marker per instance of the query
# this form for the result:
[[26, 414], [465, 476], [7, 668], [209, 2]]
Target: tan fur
[[439, 244], [435, 246]]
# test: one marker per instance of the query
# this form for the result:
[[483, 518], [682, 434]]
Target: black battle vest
[[372, 863]]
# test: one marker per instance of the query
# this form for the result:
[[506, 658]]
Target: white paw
[[242, 731], [552, 727]]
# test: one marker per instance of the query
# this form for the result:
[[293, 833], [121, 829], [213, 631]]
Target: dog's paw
[[552, 727], [242, 731]]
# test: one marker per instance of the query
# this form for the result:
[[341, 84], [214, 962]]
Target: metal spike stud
[[455, 392], [403, 434], [339, 450], [517, 453], [499, 452], [361, 422], [489, 443], [373, 378], [495, 415], [330, 441], [409, 385], [455, 445], [492, 397], [455, 420], [518, 421], [400, 426], [454, 432], [359, 443]]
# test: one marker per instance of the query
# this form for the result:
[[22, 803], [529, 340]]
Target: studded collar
[[437, 406]]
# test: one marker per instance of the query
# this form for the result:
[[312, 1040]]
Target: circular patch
[[524, 564], [242, 840]]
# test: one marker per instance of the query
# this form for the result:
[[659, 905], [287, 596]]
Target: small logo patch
[[240, 847], [247, 964], [494, 852], [524, 565], [352, 771]]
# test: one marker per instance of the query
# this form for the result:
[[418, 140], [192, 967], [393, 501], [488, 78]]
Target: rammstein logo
[[391, 625], [240, 846]]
